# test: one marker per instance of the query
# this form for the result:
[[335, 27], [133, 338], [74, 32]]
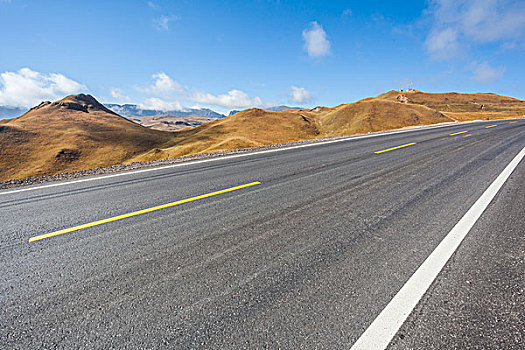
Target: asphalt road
[[308, 258]]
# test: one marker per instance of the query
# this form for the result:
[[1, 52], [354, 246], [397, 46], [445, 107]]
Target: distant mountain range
[[169, 122], [7, 112], [280, 108], [136, 111], [132, 110]]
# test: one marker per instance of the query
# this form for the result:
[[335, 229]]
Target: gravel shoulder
[[154, 163]]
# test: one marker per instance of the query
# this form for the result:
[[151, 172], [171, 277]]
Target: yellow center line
[[491, 126], [513, 122], [140, 212], [458, 133], [393, 148]]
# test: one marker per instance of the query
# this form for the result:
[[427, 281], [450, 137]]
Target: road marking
[[458, 133], [156, 168], [491, 126], [140, 212], [513, 122], [379, 334], [393, 148]]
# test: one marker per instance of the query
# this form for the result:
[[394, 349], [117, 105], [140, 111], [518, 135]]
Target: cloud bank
[[27, 88], [231, 99], [161, 105], [165, 95], [119, 96], [457, 25], [164, 84]]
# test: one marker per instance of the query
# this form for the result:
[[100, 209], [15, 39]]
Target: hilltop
[[78, 132], [392, 110], [461, 106], [71, 134], [256, 127]]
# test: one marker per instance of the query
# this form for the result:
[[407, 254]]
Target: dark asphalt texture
[[479, 300], [307, 259]]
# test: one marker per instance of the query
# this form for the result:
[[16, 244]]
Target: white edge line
[[380, 333], [124, 173]]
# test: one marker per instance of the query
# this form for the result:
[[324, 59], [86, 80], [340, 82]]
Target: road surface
[[313, 246]]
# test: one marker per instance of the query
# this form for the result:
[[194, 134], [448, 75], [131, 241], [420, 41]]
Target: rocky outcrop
[[402, 98]]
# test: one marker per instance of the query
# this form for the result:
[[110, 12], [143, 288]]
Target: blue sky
[[237, 54]]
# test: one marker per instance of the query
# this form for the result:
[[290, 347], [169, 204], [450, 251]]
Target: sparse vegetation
[[79, 133]]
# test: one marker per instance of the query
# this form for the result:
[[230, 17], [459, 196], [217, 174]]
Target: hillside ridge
[[77, 132]]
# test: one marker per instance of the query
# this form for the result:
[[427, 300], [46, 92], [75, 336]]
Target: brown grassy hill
[[375, 115], [461, 106], [79, 133], [74, 133], [169, 122], [255, 126], [252, 127]]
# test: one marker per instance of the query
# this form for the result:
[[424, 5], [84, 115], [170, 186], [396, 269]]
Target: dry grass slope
[[72, 134], [255, 126], [79, 133], [463, 107]]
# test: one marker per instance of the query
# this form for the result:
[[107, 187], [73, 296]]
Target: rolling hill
[[74, 133], [78, 132], [460, 106], [255, 127]]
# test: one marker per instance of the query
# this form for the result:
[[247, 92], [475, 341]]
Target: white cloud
[[315, 41], [443, 44], [119, 96], [163, 85], [232, 99], [170, 90], [161, 105], [299, 95], [27, 88], [163, 22], [464, 23], [484, 73]]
